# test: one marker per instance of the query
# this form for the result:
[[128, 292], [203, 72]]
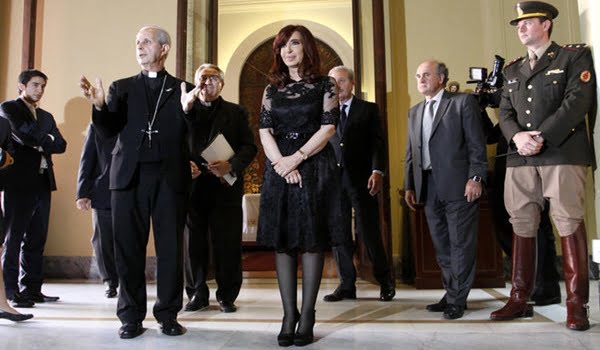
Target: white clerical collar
[[152, 74]]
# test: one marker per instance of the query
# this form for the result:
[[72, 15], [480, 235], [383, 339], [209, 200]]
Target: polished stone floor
[[84, 319]]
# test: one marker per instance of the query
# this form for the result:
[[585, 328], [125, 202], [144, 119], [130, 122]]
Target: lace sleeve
[[266, 120], [331, 108]]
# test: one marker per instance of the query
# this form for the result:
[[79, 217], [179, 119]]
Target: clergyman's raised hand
[[94, 94], [188, 98]]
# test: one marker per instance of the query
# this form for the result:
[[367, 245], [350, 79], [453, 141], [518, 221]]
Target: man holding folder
[[216, 201]]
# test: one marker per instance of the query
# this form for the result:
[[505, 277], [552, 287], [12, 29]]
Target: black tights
[[287, 276]]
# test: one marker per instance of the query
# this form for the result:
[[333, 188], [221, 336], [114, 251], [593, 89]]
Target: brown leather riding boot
[[524, 254], [577, 283]]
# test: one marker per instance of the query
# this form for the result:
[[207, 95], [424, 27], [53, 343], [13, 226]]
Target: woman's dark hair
[[310, 67]]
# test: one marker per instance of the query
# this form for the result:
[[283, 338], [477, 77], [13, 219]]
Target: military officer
[[547, 95]]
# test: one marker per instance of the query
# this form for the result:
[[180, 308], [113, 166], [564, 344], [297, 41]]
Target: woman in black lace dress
[[300, 210]]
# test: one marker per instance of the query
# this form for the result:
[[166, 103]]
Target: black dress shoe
[[39, 297], [131, 330], [171, 327], [454, 311], [197, 303], [388, 291], [15, 317], [227, 306], [340, 294], [440, 306], [18, 300], [110, 292]]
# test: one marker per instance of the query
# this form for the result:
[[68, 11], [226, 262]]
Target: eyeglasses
[[213, 78]]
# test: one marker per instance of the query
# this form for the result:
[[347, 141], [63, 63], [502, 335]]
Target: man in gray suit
[[445, 169]]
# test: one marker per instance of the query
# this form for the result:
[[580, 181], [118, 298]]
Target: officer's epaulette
[[574, 47], [514, 61]]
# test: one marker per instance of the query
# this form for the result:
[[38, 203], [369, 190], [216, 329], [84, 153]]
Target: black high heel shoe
[[287, 339], [303, 339], [15, 317]]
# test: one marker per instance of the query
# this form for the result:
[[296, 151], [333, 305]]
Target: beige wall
[[90, 37], [11, 42]]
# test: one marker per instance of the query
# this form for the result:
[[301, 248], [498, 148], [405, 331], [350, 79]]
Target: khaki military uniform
[[554, 97]]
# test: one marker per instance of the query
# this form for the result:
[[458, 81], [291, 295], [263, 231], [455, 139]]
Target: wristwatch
[[476, 178]]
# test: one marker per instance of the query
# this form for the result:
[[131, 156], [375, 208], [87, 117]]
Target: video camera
[[489, 88]]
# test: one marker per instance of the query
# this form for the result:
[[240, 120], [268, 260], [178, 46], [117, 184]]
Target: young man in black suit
[[6, 160], [216, 206], [445, 168], [149, 180], [93, 193], [27, 188], [360, 152]]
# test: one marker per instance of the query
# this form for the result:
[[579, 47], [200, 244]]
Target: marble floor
[[84, 319]]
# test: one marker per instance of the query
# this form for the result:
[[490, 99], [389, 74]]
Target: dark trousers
[[26, 229], [148, 198], [366, 210], [104, 247], [453, 226], [214, 229]]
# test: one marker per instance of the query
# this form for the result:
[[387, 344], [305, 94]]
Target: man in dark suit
[[360, 152], [149, 180], [27, 190], [445, 169], [546, 98], [215, 213], [6, 160], [93, 193]]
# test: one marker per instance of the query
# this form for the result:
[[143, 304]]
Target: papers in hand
[[220, 149]]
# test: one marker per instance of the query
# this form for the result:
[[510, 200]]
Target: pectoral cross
[[149, 132]]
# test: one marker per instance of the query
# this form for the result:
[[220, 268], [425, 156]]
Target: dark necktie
[[343, 118]]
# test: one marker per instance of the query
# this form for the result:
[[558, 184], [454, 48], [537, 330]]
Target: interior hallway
[[84, 319]]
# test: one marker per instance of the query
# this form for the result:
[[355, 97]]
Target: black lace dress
[[291, 218]]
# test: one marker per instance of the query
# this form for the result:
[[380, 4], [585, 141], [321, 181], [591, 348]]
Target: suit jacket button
[[528, 112], [338, 164], [529, 125], [342, 144], [529, 99], [530, 87]]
